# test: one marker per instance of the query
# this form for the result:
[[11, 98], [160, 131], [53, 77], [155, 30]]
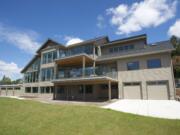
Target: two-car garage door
[[157, 90]]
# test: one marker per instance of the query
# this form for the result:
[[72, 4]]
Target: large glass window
[[31, 77], [49, 57], [154, 63], [133, 65], [121, 48], [47, 74], [27, 89]]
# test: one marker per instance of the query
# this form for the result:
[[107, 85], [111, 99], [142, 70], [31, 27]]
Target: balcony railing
[[88, 72]]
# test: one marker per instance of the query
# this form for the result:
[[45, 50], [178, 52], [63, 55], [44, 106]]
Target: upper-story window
[[49, 57], [121, 48], [47, 74], [88, 49], [36, 64], [133, 65], [154, 63]]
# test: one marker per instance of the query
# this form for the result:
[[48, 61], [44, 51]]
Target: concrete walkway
[[169, 109]]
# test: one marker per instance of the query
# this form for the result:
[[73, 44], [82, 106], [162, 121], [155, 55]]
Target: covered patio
[[86, 88]]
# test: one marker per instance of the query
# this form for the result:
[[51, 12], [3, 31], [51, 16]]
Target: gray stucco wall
[[143, 74]]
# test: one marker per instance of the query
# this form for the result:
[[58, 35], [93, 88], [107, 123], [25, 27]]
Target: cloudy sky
[[26, 25]]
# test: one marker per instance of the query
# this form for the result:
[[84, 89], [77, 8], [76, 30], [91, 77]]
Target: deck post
[[54, 93], [109, 90], [13, 90], [6, 91], [94, 51], [83, 66], [84, 92], [55, 71], [94, 66]]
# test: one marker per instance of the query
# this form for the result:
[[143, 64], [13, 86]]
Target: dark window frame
[[137, 67], [154, 65]]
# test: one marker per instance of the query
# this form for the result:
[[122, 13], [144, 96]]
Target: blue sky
[[25, 25]]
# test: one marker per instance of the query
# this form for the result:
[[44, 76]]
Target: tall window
[[47, 74], [154, 63], [49, 57], [133, 65], [31, 77]]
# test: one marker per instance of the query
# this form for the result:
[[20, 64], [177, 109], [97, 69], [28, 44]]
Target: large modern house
[[100, 69]]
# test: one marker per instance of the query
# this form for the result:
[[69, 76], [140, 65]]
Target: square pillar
[[55, 71], [13, 90], [83, 66], [55, 92], [94, 51], [109, 90], [84, 92], [94, 66], [6, 91]]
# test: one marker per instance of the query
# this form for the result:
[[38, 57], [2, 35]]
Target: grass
[[33, 118]]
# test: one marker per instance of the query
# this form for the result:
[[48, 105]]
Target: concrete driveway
[[169, 109]]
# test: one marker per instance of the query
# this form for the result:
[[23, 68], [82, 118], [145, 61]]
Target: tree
[[176, 43], [5, 80], [176, 53], [17, 81]]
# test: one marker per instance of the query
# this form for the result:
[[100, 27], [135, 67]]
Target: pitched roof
[[49, 42], [29, 63], [137, 37]]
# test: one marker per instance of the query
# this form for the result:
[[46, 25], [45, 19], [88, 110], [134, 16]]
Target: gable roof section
[[49, 42], [30, 62]]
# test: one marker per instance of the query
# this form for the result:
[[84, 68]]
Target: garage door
[[157, 90], [132, 90]]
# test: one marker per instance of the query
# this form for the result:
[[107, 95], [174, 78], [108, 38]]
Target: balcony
[[88, 75], [76, 59]]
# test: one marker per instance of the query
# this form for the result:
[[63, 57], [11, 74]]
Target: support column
[[54, 93], [83, 66], [94, 66], [39, 90], [6, 91], [94, 49], [109, 90], [99, 51], [13, 90], [0, 90], [55, 71], [67, 93], [84, 92]]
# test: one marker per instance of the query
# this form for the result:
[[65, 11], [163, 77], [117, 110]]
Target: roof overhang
[[129, 39], [84, 80], [132, 55], [74, 60]]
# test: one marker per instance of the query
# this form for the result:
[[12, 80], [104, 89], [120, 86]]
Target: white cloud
[[175, 29], [100, 22], [24, 40], [9, 69], [139, 15], [72, 40]]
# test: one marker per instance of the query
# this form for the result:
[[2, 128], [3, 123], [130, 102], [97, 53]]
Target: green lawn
[[33, 118]]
